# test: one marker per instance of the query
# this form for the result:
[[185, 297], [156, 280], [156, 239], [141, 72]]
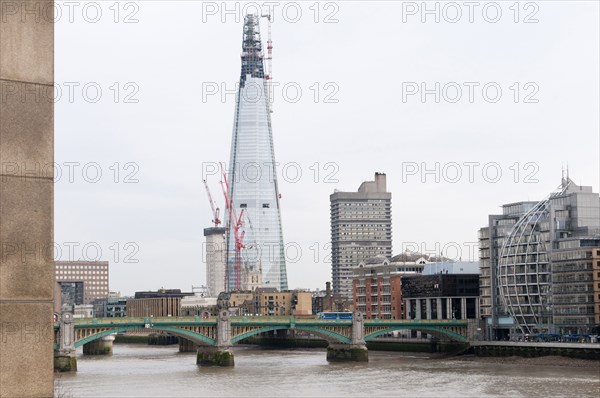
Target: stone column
[[222, 354], [357, 350], [439, 308], [65, 359], [463, 308], [26, 198], [428, 308], [418, 314], [101, 346], [186, 345], [449, 307]]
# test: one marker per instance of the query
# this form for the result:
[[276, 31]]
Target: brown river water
[[161, 371]]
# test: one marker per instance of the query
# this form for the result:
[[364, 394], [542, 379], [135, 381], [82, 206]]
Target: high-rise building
[[215, 260], [92, 274], [361, 228], [491, 239], [534, 263], [252, 172]]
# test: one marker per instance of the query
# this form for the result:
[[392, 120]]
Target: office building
[[575, 300], [441, 296], [361, 228], [525, 250], [92, 276], [161, 303]]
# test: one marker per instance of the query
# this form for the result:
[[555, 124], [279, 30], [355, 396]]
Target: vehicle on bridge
[[334, 315]]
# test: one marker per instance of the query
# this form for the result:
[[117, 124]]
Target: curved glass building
[[546, 266], [524, 276], [252, 172]]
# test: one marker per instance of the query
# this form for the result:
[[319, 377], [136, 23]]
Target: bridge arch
[[326, 334], [430, 330], [189, 335]]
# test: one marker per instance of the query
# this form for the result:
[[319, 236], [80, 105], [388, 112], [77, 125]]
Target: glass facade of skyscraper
[[252, 173]]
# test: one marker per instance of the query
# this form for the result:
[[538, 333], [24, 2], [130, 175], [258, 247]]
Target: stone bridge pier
[[102, 346], [222, 353], [65, 359], [357, 350]]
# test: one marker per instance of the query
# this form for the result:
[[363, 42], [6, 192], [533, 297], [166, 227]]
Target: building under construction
[[253, 219]]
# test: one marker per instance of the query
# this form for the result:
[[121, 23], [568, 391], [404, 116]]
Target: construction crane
[[215, 210], [269, 58], [236, 223]]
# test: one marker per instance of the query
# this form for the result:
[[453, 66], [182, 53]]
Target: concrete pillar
[[222, 354], [418, 314], [26, 198], [428, 308], [449, 307], [186, 345], [439, 307], [65, 359], [407, 313], [215, 356], [357, 350], [463, 308], [101, 346]]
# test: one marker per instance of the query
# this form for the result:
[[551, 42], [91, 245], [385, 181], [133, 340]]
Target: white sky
[[174, 50]]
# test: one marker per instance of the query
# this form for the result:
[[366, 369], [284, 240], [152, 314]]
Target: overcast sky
[[366, 65]]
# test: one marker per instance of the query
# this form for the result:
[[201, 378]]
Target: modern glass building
[[252, 172], [538, 265], [524, 274]]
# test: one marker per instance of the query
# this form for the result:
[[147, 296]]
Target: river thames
[[161, 371]]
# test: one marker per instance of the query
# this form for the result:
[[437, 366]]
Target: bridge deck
[[263, 320]]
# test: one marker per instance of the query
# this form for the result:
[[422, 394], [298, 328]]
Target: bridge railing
[[450, 322], [129, 320], [261, 320]]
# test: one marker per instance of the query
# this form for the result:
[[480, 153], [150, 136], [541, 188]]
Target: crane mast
[[269, 58], [215, 210]]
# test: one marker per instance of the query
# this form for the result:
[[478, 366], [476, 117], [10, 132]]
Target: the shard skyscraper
[[252, 174]]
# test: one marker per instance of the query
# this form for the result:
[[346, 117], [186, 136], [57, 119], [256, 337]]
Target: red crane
[[236, 223], [215, 210]]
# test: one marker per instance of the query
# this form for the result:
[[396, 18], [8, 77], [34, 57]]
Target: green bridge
[[215, 335]]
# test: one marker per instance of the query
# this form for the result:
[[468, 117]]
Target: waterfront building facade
[[199, 305], [575, 296], [376, 284], [270, 302], [237, 303], [491, 238], [361, 228], [164, 302], [441, 296], [525, 263]]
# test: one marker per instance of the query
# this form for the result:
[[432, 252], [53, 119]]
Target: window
[[243, 205], [266, 205]]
